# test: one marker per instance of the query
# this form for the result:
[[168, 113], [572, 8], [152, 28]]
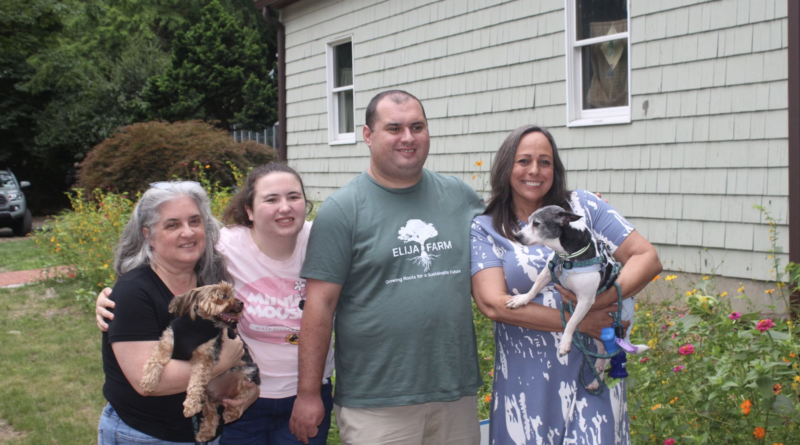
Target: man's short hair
[[396, 96]]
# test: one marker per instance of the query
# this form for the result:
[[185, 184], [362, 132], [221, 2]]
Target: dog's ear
[[184, 304], [208, 299], [567, 217]]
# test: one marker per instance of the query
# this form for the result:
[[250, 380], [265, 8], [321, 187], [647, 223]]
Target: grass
[[51, 372], [23, 255]]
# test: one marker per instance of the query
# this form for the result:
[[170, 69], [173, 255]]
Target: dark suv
[[14, 211]]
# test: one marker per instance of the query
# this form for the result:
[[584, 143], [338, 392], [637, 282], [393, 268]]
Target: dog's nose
[[518, 237], [240, 303]]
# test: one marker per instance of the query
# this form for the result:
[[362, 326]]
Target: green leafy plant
[[85, 236]]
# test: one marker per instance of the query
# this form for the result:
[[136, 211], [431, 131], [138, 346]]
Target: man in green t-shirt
[[389, 255]]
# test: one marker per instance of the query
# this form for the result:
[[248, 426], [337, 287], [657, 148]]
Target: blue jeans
[[266, 422], [113, 431]]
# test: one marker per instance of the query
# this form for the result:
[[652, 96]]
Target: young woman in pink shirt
[[265, 241]]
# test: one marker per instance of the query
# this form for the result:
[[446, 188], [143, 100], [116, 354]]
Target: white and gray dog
[[568, 237]]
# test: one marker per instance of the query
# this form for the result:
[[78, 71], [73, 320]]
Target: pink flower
[[678, 368], [674, 335], [681, 315], [765, 325], [644, 360], [735, 316], [686, 350], [664, 327], [669, 441]]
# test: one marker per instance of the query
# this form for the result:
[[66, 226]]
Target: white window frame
[[576, 115], [334, 137]]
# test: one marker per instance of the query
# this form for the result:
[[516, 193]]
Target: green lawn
[[50, 367], [23, 255]]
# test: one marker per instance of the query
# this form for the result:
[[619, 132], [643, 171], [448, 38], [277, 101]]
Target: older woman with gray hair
[[167, 249]]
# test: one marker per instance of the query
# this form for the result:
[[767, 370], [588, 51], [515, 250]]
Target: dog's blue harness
[[561, 266]]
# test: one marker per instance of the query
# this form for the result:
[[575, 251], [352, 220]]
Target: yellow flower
[[741, 289], [705, 278], [655, 407], [657, 277], [723, 294], [781, 284], [670, 277], [208, 166], [648, 314], [797, 378], [473, 176], [52, 239], [105, 266], [478, 163], [769, 291]]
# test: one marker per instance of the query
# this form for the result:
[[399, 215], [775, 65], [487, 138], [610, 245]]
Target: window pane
[[343, 65], [344, 101], [605, 74], [595, 17]]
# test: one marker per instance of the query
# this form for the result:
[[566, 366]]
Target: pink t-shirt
[[271, 291]]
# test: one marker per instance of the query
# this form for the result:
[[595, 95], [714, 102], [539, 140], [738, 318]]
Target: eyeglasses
[[164, 185]]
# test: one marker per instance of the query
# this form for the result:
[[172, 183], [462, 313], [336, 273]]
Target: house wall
[[707, 141]]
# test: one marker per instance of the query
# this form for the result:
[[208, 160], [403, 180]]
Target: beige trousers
[[435, 423]]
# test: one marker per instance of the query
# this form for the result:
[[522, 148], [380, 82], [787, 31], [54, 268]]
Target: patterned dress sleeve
[[482, 246], [606, 223]]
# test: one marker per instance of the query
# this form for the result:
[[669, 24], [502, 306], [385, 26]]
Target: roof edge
[[274, 4]]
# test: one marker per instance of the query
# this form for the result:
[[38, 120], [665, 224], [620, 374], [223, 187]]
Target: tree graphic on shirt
[[419, 231]]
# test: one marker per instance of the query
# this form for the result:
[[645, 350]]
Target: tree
[[218, 73], [419, 231]]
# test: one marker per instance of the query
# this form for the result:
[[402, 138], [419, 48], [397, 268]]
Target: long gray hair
[[133, 249]]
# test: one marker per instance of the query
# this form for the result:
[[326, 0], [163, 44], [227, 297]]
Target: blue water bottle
[[609, 339]]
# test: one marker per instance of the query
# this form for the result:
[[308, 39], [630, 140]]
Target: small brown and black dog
[[202, 317]]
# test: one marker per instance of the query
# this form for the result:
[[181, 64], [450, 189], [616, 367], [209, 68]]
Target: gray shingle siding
[[709, 118]]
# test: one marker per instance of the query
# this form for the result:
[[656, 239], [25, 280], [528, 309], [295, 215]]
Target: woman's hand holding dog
[[594, 322], [230, 355], [102, 308]]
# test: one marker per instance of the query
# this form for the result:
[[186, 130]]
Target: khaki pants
[[435, 423]]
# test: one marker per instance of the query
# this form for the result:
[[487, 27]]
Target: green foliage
[[85, 236], [484, 329], [72, 72], [159, 151], [217, 73], [737, 377]]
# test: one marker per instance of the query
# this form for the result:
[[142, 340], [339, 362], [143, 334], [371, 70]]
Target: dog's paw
[[564, 348], [230, 414], [593, 386], [518, 301], [149, 384], [190, 409]]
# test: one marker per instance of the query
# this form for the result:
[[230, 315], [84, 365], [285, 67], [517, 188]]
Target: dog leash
[[579, 340]]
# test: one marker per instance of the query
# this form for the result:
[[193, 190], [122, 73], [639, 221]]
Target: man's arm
[[315, 339]]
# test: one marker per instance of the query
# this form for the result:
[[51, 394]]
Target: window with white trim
[[341, 111], [598, 69]]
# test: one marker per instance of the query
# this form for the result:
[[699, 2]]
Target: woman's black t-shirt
[[142, 314]]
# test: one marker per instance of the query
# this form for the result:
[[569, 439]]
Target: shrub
[[85, 236], [157, 151]]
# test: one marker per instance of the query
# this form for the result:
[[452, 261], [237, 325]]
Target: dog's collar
[[576, 254]]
